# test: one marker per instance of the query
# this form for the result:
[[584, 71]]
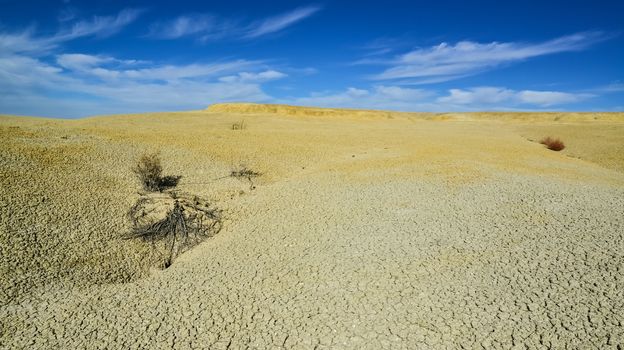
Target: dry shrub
[[186, 224], [243, 172], [172, 223], [239, 125], [552, 143], [149, 171]]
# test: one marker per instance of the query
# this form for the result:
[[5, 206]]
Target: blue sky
[[80, 58]]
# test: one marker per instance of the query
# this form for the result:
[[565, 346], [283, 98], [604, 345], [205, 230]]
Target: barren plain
[[367, 230]]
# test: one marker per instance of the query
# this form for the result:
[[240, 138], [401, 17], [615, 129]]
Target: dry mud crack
[[337, 258], [391, 274]]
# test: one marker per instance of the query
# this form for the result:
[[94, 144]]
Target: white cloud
[[614, 87], [18, 73], [127, 98], [99, 85], [85, 85], [549, 98], [260, 77], [74, 84], [208, 27], [280, 22], [112, 68], [37, 78], [192, 24], [445, 61], [378, 97], [24, 41], [492, 96], [479, 95], [401, 94], [189, 71], [408, 99], [99, 26], [80, 61]]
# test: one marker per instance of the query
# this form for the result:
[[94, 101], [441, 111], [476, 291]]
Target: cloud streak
[[491, 96], [202, 25], [36, 81], [377, 97], [446, 62], [260, 77], [471, 99], [207, 27], [99, 26], [102, 85], [280, 22]]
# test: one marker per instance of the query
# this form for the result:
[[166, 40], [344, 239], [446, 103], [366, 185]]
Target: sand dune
[[367, 229]]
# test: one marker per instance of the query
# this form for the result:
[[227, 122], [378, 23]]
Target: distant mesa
[[287, 110], [257, 108]]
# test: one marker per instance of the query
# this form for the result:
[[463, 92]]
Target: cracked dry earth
[[415, 234]]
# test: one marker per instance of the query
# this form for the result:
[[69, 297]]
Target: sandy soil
[[367, 230]]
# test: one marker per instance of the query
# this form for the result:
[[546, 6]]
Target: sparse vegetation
[[243, 172], [187, 223], [239, 125], [552, 144], [149, 171]]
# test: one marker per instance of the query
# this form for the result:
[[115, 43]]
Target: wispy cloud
[[614, 87], [480, 95], [25, 41], [280, 22], [259, 77], [446, 62], [204, 26], [112, 85], [207, 27], [110, 68], [377, 97], [37, 78], [489, 96], [99, 26], [471, 99], [82, 62]]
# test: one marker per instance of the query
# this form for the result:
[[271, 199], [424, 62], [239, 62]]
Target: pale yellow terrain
[[367, 229]]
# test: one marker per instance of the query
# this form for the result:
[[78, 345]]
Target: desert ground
[[366, 230]]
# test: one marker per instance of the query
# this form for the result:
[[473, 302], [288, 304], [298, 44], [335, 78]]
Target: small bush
[[243, 172], [552, 144], [149, 171], [239, 125]]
